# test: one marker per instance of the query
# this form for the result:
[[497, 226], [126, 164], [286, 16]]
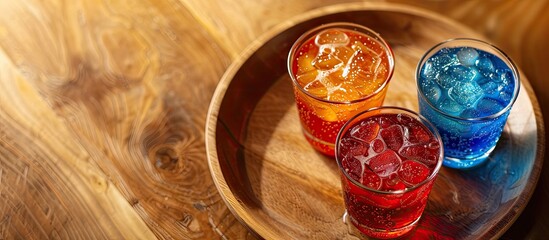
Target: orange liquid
[[336, 81]]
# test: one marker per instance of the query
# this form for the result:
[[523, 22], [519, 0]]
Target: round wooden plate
[[277, 185]]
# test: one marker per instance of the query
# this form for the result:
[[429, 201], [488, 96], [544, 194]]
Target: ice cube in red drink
[[412, 172], [366, 131], [385, 163], [393, 136], [370, 179]]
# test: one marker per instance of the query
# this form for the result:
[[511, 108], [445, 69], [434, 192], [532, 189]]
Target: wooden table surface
[[103, 107]]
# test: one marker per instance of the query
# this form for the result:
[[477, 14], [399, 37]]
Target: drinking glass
[[466, 88], [337, 70], [388, 159]]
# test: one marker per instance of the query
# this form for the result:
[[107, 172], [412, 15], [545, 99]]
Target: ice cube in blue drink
[[446, 80], [428, 71], [503, 76], [443, 60], [489, 87], [432, 91], [470, 113], [463, 73], [488, 106], [466, 93], [467, 56], [484, 65], [449, 77], [450, 106]]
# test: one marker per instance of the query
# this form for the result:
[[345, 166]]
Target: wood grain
[[103, 108], [123, 79], [47, 181]]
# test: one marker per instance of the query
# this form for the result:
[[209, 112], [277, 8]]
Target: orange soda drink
[[337, 70]]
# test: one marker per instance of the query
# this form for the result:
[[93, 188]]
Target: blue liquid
[[470, 86]]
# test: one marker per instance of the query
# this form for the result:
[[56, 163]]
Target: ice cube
[[467, 56], [358, 67], [483, 80], [316, 88], [426, 154], [371, 179], [404, 119], [428, 70], [412, 172], [485, 66], [304, 63], [385, 163], [450, 106], [445, 80], [352, 92], [375, 67], [431, 91], [361, 88], [366, 131], [393, 137], [332, 37], [416, 134], [359, 46], [379, 77], [470, 113], [370, 58], [326, 61], [343, 53], [333, 80], [443, 60], [393, 183], [353, 167], [466, 93], [488, 106], [490, 88], [463, 74], [503, 76], [337, 94], [352, 147], [385, 122], [307, 77], [377, 145]]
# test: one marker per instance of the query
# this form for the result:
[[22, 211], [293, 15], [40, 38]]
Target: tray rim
[[239, 210]]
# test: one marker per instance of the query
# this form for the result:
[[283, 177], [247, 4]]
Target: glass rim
[[506, 59], [431, 127], [306, 35]]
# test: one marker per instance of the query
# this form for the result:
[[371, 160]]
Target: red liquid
[[387, 152]]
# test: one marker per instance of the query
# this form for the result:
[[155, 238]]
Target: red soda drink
[[389, 158]]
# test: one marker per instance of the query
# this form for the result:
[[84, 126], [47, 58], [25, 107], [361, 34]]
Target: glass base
[[361, 231], [466, 163], [322, 146]]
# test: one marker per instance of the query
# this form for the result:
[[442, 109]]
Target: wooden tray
[[279, 187]]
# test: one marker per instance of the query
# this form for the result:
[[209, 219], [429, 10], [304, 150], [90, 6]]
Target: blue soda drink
[[466, 88]]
